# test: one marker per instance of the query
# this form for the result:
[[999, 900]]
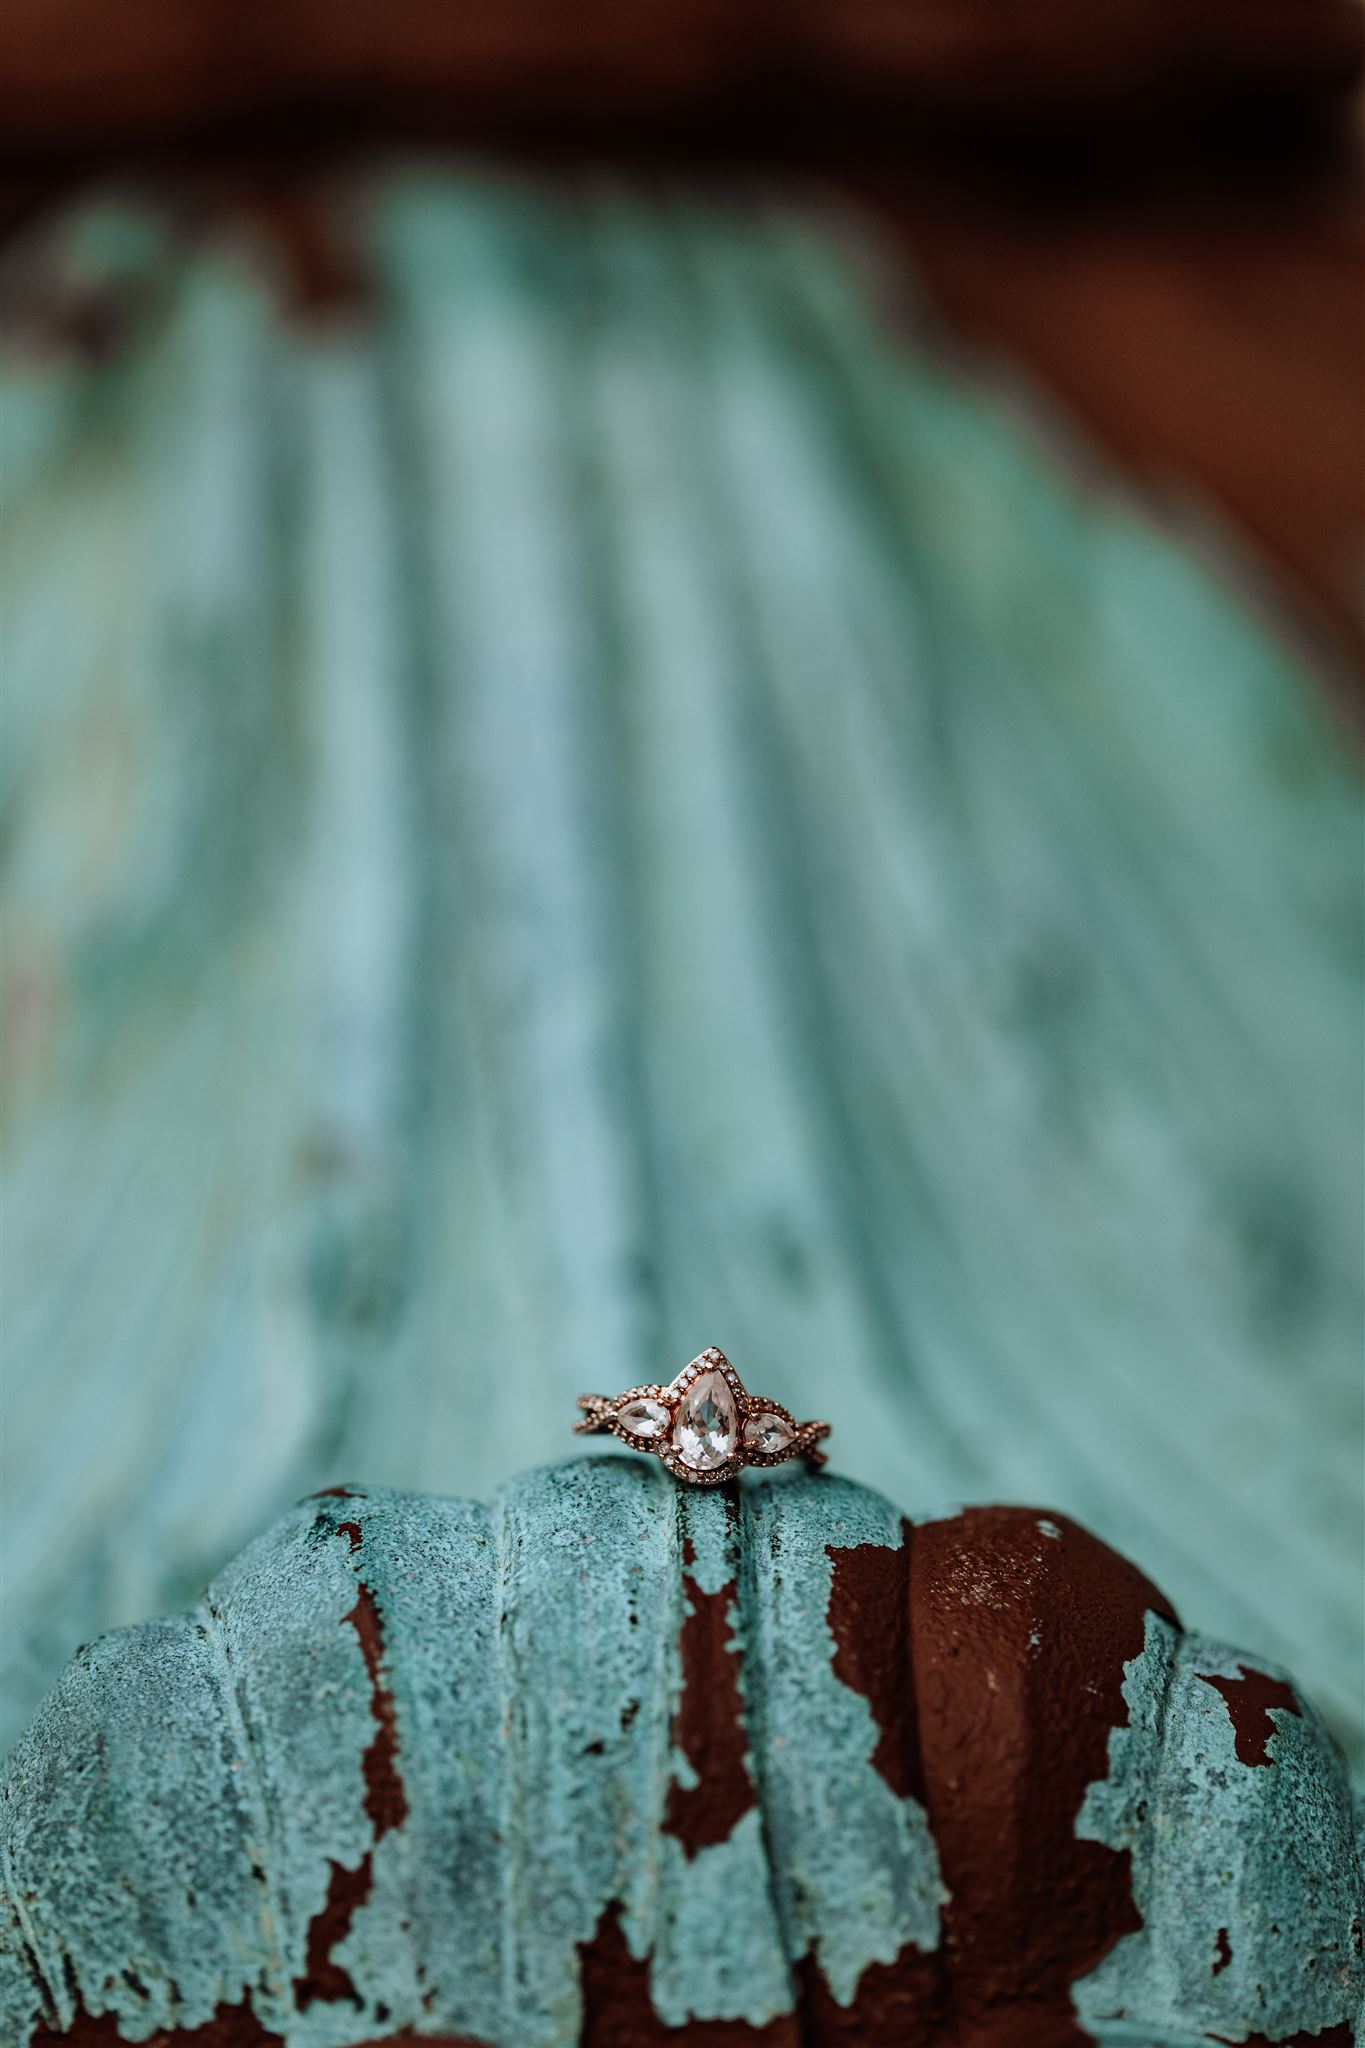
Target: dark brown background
[[1153, 206]]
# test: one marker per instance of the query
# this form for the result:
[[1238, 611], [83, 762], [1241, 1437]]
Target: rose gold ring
[[705, 1425]]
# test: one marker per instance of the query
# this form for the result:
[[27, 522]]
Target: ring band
[[704, 1424]]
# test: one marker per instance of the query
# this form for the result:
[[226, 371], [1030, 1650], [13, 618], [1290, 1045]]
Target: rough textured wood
[[614, 805], [412, 1766]]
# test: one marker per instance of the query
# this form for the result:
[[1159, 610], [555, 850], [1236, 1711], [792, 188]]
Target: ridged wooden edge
[[618, 1763]]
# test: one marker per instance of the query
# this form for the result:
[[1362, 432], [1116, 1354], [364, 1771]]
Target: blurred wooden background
[[1155, 213]]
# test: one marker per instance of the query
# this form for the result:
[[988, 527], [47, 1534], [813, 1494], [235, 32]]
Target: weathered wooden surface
[[617, 804], [608, 1756]]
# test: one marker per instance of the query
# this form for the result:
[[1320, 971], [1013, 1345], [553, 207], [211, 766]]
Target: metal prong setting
[[648, 1418]]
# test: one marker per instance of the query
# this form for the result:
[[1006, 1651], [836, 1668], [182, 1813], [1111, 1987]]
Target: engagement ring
[[704, 1424]]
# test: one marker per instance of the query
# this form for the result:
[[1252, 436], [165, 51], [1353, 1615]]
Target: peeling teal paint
[[1246, 1876], [184, 1812], [851, 1894], [531, 1648]]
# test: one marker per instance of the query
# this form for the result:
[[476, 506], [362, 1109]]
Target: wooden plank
[[616, 793]]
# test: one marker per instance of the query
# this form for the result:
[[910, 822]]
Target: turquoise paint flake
[[132, 1770], [720, 1952], [1245, 1875], [693, 1975], [853, 1892]]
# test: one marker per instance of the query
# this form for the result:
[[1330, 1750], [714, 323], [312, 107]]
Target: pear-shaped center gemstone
[[705, 1427], [645, 1417], [767, 1432]]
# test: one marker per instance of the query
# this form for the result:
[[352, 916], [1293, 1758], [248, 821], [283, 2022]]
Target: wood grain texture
[[1070, 1837], [617, 804]]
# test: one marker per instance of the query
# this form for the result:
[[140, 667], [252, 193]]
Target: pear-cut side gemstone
[[768, 1433], [706, 1426], [645, 1417]]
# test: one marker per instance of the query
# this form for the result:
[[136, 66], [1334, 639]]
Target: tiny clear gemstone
[[645, 1417], [706, 1427], [768, 1433]]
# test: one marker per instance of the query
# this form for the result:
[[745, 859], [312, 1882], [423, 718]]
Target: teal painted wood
[[1246, 1860], [618, 804], [409, 1757]]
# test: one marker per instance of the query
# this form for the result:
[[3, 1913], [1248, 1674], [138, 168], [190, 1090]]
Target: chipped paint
[[1244, 1865], [869, 1618], [707, 1803], [1019, 1652], [608, 1763], [232, 2026], [460, 1751], [1249, 1698], [386, 1802], [618, 2011]]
